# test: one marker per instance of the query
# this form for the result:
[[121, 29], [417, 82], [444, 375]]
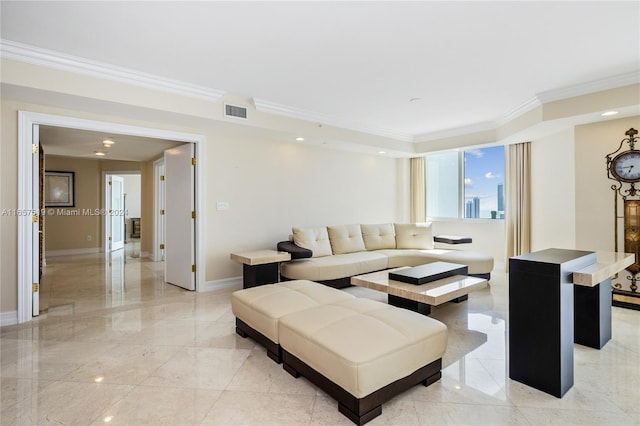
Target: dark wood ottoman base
[[361, 410], [273, 349]]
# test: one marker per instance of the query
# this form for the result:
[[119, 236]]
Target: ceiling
[[405, 69], [84, 143]]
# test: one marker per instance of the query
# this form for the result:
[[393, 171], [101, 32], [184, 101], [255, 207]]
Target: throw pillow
[[314, 239], [414, 236], [378, 237], [346, 239]]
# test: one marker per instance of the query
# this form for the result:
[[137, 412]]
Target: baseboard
[[69, 252], [222, 284], [8, 318]]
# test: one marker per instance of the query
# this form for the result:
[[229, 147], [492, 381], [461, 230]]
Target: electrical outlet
[[89, 238]]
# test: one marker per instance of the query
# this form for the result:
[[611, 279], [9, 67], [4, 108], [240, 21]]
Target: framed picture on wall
[[59, 190]]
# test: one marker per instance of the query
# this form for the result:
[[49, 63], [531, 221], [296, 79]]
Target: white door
[[115, 210], [179, 248], [35, 242]]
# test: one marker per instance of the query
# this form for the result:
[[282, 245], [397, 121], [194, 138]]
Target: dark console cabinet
[[541, 317]]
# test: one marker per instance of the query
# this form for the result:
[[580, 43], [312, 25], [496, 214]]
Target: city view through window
[[467, 184], [484, 183]]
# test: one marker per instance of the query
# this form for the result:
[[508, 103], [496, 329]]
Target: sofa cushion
[[314, 239], [345, 239], [414, 236], [334, 267], [378, 236], [361, 344], [261, 307]]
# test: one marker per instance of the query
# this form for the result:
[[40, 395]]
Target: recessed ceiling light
[[107, 143], [608, 113], [100, 153], [381, 152], [299, 139]]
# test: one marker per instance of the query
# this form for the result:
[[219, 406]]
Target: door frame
[[105, 222], [26, 121], [158, 204]]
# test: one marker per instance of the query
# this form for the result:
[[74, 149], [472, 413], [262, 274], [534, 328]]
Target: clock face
[[626, 166]]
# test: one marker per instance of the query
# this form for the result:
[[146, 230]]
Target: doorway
[[28, 128], [122, 195]]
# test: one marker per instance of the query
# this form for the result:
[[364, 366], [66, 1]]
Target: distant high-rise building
[[472, 208], [500, 197]]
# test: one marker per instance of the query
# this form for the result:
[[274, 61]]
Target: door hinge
[[193, 215], [161, 211], [34, 218], [161, 177], [193, 161], [193, 268], [161, 246], [35, 287], [34, 148]]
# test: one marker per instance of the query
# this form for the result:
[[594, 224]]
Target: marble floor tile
[[154, 405], [260, 408], [118, 345], [200, 368]]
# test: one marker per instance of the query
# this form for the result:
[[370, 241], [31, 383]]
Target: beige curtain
[[417, 187], [518, 200]]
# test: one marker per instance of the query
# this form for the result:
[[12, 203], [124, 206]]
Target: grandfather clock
[[623, 166]]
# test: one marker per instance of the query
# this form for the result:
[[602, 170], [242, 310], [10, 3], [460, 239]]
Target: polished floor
[[117, 345]]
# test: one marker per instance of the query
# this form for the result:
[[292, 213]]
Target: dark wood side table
[[260, 267], [541, 317]]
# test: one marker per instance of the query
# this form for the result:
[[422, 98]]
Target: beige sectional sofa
[[333, 254]]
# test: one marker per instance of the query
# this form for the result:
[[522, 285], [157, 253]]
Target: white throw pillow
[[346, 239], [414, 236], [314, 239], [378, 237]]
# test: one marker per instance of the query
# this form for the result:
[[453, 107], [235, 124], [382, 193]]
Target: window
[[467, 184]]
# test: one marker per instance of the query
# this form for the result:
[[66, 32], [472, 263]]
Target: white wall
[[272, 186], [553, 210], [487, 234]]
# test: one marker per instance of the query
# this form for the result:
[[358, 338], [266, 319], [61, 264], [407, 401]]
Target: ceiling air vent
[[235, 111]]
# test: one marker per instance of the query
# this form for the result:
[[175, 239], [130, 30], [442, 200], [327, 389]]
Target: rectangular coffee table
[[420, 298]]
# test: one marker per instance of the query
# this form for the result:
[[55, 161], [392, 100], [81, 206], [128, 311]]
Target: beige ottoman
[[258, 309], [362, 352]]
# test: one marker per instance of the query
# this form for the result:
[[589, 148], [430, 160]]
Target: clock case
[[626, 189]]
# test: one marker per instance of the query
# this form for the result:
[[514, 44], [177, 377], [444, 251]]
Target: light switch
[[222, 205]]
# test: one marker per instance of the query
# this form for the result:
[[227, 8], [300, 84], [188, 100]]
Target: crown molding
[[279, 109], [594, 86], [38, 56], [538, 100], [486, 126]]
